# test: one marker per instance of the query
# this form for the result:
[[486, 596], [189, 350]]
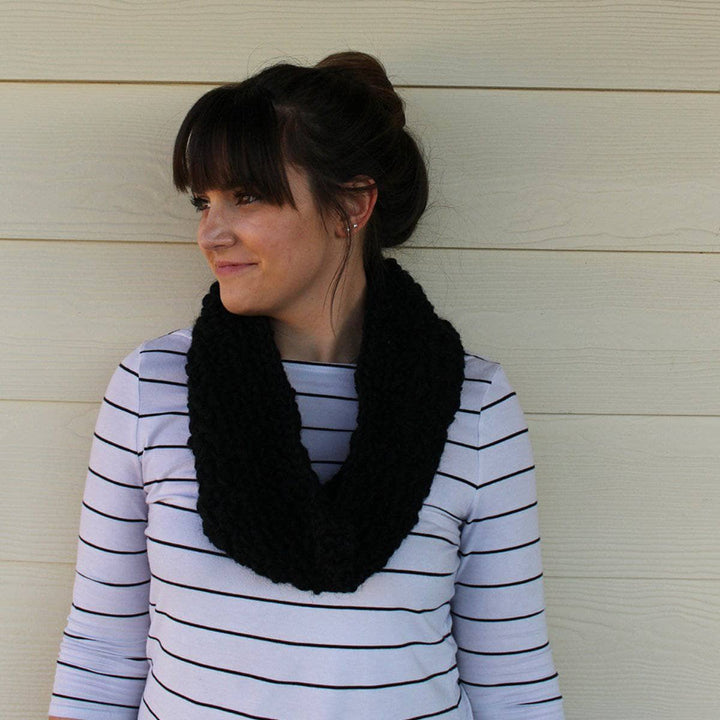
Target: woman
[[313, 503]]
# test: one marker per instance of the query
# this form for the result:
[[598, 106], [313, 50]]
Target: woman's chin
[[238, 305]]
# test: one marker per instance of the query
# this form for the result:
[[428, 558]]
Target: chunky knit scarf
[[259, 499]]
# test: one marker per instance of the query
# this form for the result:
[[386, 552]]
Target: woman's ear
[[359, 203]]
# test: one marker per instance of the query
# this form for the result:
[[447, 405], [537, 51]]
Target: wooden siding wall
[[573, 237]]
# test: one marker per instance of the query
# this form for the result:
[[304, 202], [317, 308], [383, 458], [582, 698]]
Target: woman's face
[[270, 260]]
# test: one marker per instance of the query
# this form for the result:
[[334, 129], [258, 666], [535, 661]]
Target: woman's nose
[[215, 229]]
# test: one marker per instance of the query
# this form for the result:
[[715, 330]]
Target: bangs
[[231, 139]]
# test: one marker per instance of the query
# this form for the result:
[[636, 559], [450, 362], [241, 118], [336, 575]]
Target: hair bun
[[369, 71]]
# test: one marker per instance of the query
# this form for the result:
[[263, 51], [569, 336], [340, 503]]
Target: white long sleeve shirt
[[165, 626]]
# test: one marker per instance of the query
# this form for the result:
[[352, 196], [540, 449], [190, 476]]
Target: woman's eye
[[198, 203], [241, 198], [245, 198]]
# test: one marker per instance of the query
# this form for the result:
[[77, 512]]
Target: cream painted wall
[[575, 158]]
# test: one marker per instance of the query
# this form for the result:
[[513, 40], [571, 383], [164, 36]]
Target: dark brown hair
[[336, 121]]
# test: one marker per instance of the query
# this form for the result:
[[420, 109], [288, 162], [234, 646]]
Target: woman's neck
[[315, 338]]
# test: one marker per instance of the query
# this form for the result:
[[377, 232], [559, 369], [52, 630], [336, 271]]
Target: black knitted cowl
[[259, 499]]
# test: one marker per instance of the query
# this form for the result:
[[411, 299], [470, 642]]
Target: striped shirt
[[164, 626]]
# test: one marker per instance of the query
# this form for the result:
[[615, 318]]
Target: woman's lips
[[232, 268]]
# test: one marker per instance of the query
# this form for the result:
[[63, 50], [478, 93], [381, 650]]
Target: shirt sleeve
[[498, 610], [102, 666]]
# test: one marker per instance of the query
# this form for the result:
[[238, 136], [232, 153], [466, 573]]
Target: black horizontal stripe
[[176, 507], [119, 447], [504, 514], [499, 550], [328, 397], [112, 517], [547, 700], [502, 585], [167, 412], [499, 400], [168, 352], [128, 370], [299, 683], [97, 672], [169, 479], [113, 584], [167, 447], [439, 712], [467, 410], [104, 614], [109, 550], [159, 381], [120, 407], [458, 478], [204, 704], [327, 429], [480, 380], [435, 537], [297, 643], [462, 444], [114, 482], [503, 439], [506, 477], [512, 684], [505, 619], [427, 573], [295, 603], [92, 640], [443, 510], [94, 702], [191, 548], [505, 652]]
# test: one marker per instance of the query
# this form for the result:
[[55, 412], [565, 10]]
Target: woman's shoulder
[[175, 341], [485, 382], [161, 357], [479, 369]]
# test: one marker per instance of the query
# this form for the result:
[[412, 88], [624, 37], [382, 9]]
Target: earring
[[349, 229]]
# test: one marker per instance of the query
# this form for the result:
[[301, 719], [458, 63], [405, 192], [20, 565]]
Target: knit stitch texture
[[259, 499]]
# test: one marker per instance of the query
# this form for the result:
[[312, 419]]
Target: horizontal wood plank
[[35, 602], [649, 44], [621, 497], [618, 333], [628, 497], [640, 649], [549, 170], [649, 646], [578, 332]]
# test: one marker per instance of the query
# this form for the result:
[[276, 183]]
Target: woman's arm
[[102, 665], [498, 610]]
